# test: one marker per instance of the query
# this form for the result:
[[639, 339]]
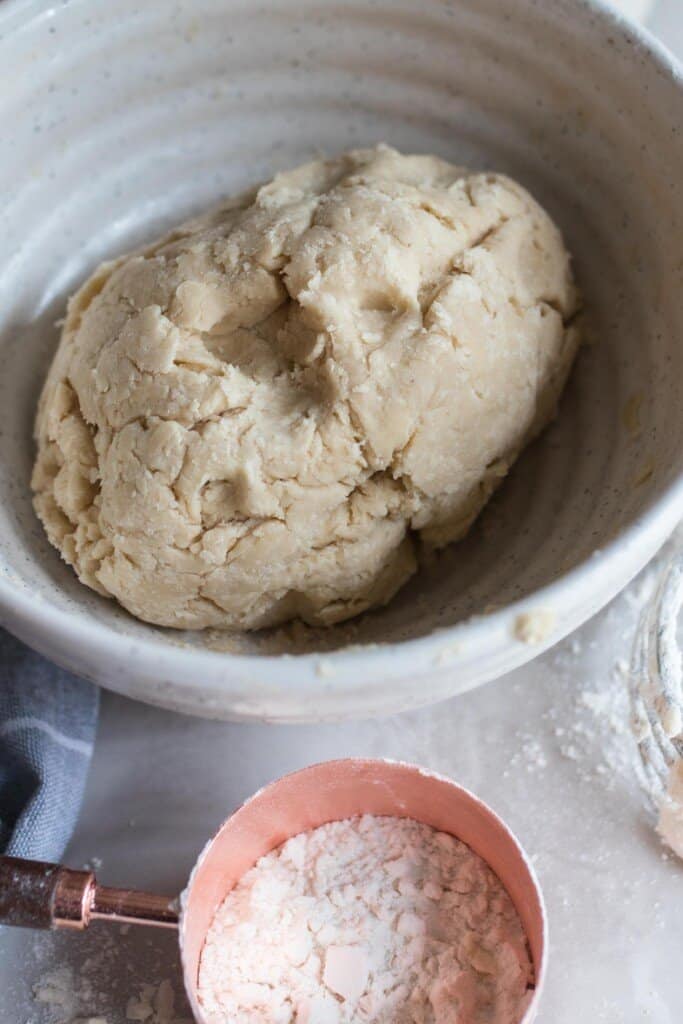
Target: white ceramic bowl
[[117, 119]]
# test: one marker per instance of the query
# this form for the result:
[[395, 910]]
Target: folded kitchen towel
[[48, 720]]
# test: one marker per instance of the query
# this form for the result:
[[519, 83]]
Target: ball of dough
[[258, 416]]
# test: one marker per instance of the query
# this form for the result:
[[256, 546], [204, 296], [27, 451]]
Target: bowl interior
[[118, 120]]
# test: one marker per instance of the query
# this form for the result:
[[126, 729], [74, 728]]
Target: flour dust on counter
[[117, 979]]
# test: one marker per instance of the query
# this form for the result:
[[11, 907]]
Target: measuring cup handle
[[38, 895], [34, 894]]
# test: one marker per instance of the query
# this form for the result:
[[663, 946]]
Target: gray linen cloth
[[48, 720]]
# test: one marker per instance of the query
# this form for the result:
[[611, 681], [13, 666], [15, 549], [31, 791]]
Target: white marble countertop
[[546, 746]]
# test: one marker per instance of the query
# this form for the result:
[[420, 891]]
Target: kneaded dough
[[257, 417]]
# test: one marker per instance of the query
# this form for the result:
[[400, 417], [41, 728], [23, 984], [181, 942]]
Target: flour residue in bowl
[[374, 919]]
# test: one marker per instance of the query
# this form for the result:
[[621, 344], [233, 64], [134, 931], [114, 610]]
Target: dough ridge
[[264, 414]]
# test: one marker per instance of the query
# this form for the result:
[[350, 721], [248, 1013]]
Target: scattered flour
[[77, 997], [154, 1004], [58, 990], [602, 715], [370, 919], [93, 864], [596, 733]]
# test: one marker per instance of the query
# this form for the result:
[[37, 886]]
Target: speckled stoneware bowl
[[119, 118]]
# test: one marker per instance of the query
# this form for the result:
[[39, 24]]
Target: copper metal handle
[[38, 895]]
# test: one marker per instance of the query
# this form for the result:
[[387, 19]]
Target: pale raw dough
[[256, 417]]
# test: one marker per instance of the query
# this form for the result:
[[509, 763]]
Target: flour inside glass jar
[[372, 919]]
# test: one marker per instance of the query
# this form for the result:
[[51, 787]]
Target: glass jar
[[656, 680]]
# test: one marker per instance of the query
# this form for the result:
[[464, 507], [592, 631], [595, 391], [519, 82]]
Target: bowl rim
[[256, 677]]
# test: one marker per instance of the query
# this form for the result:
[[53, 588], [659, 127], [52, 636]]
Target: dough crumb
[[535, 627], [69, 996]]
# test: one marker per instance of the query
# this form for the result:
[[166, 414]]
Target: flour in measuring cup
[[372, 919]]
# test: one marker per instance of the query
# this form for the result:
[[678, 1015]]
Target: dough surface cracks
[[256, 418]]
